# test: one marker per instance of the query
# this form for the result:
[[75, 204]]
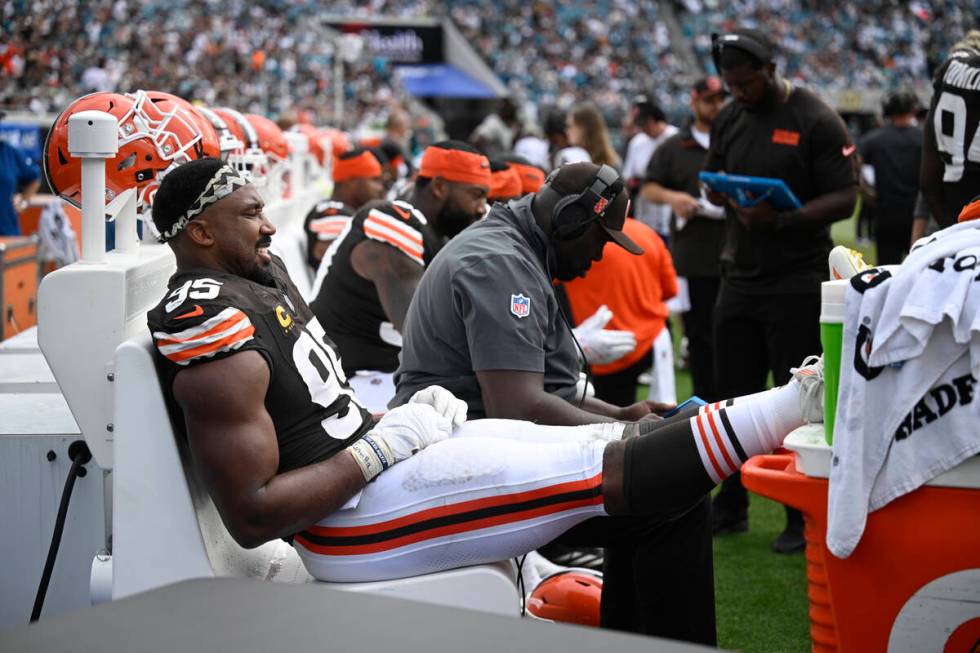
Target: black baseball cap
[[646, 107]]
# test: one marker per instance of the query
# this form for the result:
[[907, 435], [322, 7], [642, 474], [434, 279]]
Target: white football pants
[[495, 490]]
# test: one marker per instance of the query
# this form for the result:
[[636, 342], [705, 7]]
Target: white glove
[[445, 403], [601, 345], [583, 385], [402, 432]]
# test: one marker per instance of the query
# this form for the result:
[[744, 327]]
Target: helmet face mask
[[228, 142], [166, 124], [272, 144], [154, 136], [248, 157]]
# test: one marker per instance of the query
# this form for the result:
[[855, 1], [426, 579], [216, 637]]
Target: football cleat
[[810, 377], [845, 262]]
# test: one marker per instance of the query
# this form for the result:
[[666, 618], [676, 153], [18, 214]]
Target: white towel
[[58, 243], [897, 426], [936, 281]]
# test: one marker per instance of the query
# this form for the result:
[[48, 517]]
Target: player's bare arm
[[234, 447], [394, 275], [512, 394]]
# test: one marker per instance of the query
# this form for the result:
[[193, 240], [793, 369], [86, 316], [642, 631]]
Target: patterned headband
[[224, 182]]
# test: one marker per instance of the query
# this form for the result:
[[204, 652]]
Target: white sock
[[729, 435]]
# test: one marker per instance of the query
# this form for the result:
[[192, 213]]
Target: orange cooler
[[913, 582], [19, 268]]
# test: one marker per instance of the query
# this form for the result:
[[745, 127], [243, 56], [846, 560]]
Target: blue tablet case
[[749, 191]]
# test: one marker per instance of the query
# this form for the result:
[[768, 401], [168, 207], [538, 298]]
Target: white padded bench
[[167, 529]]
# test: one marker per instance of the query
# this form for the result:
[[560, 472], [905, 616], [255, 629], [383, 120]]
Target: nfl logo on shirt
[[520, 305]]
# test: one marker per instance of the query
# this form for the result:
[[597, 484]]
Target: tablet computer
[[749, 191]]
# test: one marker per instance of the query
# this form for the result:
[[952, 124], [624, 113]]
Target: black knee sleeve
[[662, 471]]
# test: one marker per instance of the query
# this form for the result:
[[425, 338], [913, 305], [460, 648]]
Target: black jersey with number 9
[[207, 315], [955, 116]]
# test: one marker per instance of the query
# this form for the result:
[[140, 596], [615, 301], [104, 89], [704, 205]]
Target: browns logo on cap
[[455, 165]]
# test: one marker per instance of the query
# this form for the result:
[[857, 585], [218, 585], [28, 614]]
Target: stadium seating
[[269, 57]]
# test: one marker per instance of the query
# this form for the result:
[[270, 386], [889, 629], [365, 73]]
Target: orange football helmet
[[227, 139], [319, 143], [166, 104], [338, 141], [271, 139], [250, 158], [272, 142], [152, 141], [571, 596]]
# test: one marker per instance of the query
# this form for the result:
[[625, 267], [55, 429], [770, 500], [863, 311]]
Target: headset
[[743, 42], [573, 214]]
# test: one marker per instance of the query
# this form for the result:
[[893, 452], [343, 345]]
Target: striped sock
[[728, 433]]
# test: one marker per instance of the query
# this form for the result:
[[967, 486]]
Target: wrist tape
[[372, 455]]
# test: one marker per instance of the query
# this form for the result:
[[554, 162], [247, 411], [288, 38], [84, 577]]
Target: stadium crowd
[[267, 56], [875, 44]]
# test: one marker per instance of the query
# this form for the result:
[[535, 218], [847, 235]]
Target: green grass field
[[760, 597]]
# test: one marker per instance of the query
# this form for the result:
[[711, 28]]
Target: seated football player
[[366, 282], [286, 449], [357, 178]]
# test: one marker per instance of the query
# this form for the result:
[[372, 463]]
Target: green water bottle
[[832, 295]]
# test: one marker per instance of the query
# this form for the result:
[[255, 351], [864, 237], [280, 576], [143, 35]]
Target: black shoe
[[725, 521], [789, 541]]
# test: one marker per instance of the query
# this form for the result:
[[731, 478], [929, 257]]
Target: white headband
[[224, 182]]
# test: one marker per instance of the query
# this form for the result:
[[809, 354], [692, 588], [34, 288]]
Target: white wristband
[[372, 456]]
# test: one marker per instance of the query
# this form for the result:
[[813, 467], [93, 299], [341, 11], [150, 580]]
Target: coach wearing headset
[[485, 324], [772, 262]]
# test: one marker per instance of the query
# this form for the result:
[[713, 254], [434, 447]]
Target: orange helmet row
[[158, 132]]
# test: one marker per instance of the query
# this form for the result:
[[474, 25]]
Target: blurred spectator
[[874, 44], [494, 136], [397, 130], [773, 261], [562, 151], [653, 129], [893, 153], [566, 52], [586, 128], [697, 227], [267, 55], [96, 78]]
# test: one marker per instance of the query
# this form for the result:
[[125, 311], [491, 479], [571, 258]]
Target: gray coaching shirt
[[486, 303]]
